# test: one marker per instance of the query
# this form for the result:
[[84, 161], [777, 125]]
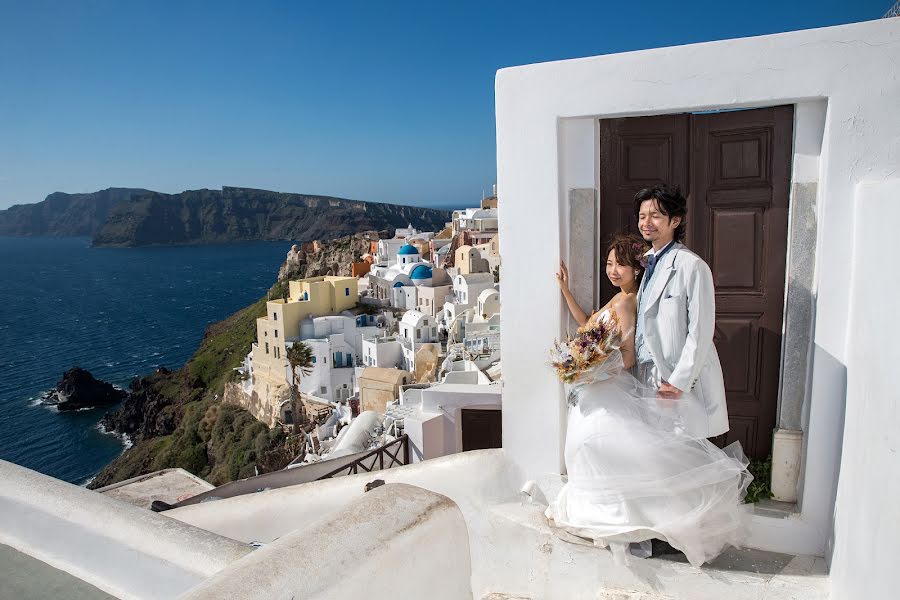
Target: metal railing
[[392, 454]]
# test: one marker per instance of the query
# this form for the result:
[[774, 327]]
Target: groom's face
[[656, 227]]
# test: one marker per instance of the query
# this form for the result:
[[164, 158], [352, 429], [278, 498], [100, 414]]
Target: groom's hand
[[667, 391]]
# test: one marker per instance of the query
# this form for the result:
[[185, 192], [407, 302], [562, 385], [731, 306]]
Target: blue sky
[[381, 101]]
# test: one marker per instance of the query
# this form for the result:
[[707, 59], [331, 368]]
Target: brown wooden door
[[481, 429], [735, 172]]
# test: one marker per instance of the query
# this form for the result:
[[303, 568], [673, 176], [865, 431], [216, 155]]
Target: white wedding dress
[[634, 475]]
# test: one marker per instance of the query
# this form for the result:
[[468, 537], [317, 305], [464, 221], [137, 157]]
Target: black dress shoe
[[663, 548]]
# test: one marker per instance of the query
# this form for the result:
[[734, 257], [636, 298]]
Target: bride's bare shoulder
[[624, 303]]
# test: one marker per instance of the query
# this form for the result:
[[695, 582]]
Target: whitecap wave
[[124, 438], [43, 400]]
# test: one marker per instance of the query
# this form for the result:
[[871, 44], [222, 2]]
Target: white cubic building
[[416, 329], [337, 345]]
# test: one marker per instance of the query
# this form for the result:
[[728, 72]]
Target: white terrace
[[460, 526]]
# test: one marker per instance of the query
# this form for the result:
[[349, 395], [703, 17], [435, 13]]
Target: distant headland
[[130, 217]]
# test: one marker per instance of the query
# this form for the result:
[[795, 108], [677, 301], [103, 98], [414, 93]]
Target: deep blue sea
[[118, 313]]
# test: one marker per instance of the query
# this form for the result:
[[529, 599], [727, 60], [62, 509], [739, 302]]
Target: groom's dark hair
[[670, 202]]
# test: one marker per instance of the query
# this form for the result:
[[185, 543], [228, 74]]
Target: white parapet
[[119, 548], [378, 546]]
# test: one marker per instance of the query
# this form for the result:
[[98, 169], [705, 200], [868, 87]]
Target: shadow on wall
[[828, 366]]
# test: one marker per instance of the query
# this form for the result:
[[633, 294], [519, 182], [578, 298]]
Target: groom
[[676, 317]]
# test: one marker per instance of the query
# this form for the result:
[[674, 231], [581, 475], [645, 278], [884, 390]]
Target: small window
[[274, 316], [276, 333], [323, 390], [267, 347], [314, 360], [346, 291]]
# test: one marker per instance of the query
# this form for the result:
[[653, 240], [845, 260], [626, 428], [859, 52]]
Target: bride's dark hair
[[629, 249]]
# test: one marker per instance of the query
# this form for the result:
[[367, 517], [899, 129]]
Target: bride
[[634, 474]]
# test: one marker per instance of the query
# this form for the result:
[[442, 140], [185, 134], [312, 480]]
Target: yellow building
[[312, 297]]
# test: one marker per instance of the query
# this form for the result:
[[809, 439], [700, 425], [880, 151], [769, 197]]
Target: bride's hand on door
[[562, 276]]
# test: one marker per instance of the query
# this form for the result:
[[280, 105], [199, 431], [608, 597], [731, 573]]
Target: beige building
[[378, 387], [431, 299], [467, 260], [490, 251], [312, 297]]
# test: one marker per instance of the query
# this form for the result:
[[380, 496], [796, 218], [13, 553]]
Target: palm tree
[[299, 355]]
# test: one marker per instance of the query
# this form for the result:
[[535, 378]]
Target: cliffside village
[[405, 348]]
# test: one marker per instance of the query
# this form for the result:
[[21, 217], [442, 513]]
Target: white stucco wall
[[386, 354], [867, 515], [852, 69]]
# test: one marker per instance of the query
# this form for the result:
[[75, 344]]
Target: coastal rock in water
[[79, 389]]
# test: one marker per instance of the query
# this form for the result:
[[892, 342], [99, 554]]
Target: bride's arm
[[626, 312], [562, 278]]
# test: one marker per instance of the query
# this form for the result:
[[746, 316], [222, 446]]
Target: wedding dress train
[[635, 475]]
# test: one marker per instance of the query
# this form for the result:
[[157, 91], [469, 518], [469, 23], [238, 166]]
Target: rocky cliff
[[63, 214], [79, 389], [241, 214], [331, 258]]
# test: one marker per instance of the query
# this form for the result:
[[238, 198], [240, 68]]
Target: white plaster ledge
[[373, 548], [119, 548]]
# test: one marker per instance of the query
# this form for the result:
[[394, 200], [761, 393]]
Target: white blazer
[[679, 322]]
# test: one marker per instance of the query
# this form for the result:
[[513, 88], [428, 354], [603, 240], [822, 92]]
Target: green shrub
[[761, 486]]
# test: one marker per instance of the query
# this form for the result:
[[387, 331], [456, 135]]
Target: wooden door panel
[[735, 273], [737, 349], [742, 157], [646, 158]]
